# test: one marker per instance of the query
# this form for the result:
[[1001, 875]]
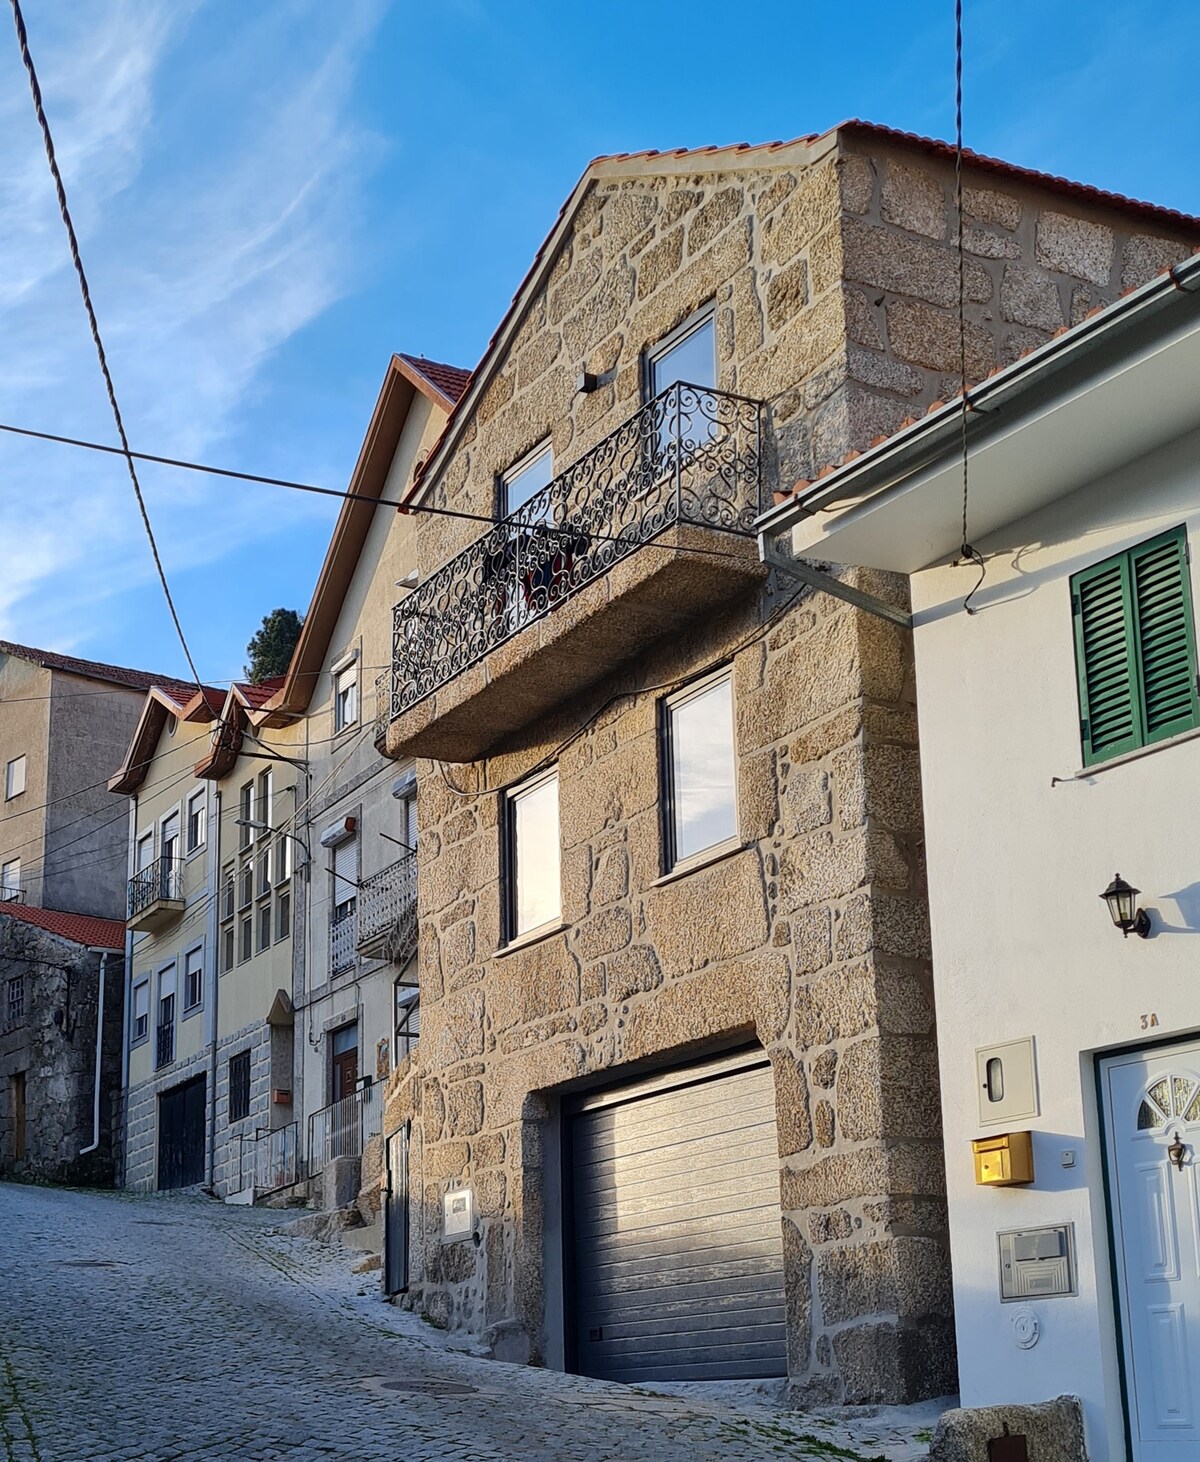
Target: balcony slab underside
[[155, 916], [659, 589]]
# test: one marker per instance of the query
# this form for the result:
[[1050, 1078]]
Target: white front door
[[1152, 1102]]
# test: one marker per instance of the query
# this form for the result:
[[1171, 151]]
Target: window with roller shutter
[[1135, 648]]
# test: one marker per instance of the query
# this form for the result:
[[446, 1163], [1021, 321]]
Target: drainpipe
[[95, 1142], [213, 924]]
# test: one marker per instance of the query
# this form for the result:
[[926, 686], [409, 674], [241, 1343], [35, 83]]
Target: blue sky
[[272, 198]]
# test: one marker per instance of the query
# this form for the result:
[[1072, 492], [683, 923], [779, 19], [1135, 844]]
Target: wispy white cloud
[[216, 172]]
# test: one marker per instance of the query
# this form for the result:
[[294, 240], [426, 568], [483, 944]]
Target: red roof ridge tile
[[93, 669]]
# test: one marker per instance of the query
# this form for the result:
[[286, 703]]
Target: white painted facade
[[1022, 840]]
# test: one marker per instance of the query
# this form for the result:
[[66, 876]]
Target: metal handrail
[[342, 1128], [692, 455], [161, 879], [387, 909], [274, 1159]]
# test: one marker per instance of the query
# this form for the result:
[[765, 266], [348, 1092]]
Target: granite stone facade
[[833, 275], [49, 1007]]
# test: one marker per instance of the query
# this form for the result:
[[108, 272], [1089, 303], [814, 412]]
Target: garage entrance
[[675, 1270], [181, 1135]]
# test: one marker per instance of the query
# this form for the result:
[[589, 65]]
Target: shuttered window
[[1135, 648]]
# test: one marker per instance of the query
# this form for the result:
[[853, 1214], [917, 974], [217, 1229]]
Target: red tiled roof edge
[[82, 929], [449, 381], [94, 669]]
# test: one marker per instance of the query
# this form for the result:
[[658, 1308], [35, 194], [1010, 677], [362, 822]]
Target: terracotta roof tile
[[256, 695], [96, 669], [450, 380], [78, 928]]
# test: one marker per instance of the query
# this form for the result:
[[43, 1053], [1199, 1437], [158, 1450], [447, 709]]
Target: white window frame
[[265, 803], [15, 772], [134, 1038], [196, 800], [694, 690], [141, 863], [188, 954], [246, 806], [345, 716], [697, 320], [513, 932], [10, 880], [512, 474]]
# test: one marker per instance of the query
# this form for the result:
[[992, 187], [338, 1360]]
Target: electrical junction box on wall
[[1037, 1263], [1006, 1082], [458, 1215]]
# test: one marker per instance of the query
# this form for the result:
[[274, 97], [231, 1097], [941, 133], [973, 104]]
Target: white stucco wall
[[1022, 943]]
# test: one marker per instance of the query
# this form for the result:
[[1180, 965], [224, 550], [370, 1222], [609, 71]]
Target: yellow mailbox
[[1004, 1160]]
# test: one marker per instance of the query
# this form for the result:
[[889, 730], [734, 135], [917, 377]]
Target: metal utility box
[[1006, 1082], [1037, 1263], [1004, 1160]]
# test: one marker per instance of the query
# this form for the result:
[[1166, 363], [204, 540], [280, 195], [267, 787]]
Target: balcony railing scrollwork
[[158, 881], [691, 456], [387, 911], [343, 941]]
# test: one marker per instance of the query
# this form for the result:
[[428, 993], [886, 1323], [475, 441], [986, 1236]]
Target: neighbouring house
[[61, 1012], [209, 1048], [1059, 721], [355, 996], [675, 1107], [63, 723]]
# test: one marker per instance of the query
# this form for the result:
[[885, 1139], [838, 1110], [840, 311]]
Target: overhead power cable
[[77, 260]]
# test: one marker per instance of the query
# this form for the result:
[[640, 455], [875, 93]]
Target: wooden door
[[181, 1128], [18, 1115]]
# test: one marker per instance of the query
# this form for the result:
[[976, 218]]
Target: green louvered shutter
[[1135, 648], [1104, 655], [1166, 649]]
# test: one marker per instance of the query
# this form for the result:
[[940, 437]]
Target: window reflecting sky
[[535, 839], [702, 770]]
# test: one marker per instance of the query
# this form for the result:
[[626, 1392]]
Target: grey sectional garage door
[[677, 1264]]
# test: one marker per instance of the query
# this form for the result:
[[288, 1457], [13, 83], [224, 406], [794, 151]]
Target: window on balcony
[[14, 778], [700, 801], [345, 697], [533, 472], [246, 815], [239, 1086], [141, 1013], [197, 821], [688, 353], [145, 852], [193, 979], [343, 905], [170, 842], [165, 1034], [532, 873], [10, 880]]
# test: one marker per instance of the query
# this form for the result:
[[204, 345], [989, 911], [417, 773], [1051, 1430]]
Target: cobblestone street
[[150, 1329]]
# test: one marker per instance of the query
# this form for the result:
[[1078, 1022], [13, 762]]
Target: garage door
[[677, 1263]]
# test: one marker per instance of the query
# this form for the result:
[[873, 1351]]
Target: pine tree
[[270, 650]]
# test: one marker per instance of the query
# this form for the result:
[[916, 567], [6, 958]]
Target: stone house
[[63, 723], [209, 1049], [356, 933], [675, 1107], [61, 1012]]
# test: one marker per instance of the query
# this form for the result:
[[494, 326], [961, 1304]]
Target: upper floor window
[[700, 802], [688, 353], [14, 778], [246, 816], [141, 1012], [266, 799], [145, 852], [10, 880], [533, 864], [524, 478], [170, 838], [1135, 648], [193, 979], [345, 697], [197, 820]]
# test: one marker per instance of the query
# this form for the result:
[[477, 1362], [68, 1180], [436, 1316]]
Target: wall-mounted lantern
[[1121, 899]]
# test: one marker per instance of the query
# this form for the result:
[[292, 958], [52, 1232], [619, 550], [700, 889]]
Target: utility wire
[[966, 552], [77, 260]]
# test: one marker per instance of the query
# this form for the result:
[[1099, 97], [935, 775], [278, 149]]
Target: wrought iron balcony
[[342, 941], [164, 1045], [682, 475], [156, 895], [387, 912]]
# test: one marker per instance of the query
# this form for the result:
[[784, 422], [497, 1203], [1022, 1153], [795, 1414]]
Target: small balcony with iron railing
[[164, 1044], [343, 941], [640, 536], [155, 895], [387, 912]]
